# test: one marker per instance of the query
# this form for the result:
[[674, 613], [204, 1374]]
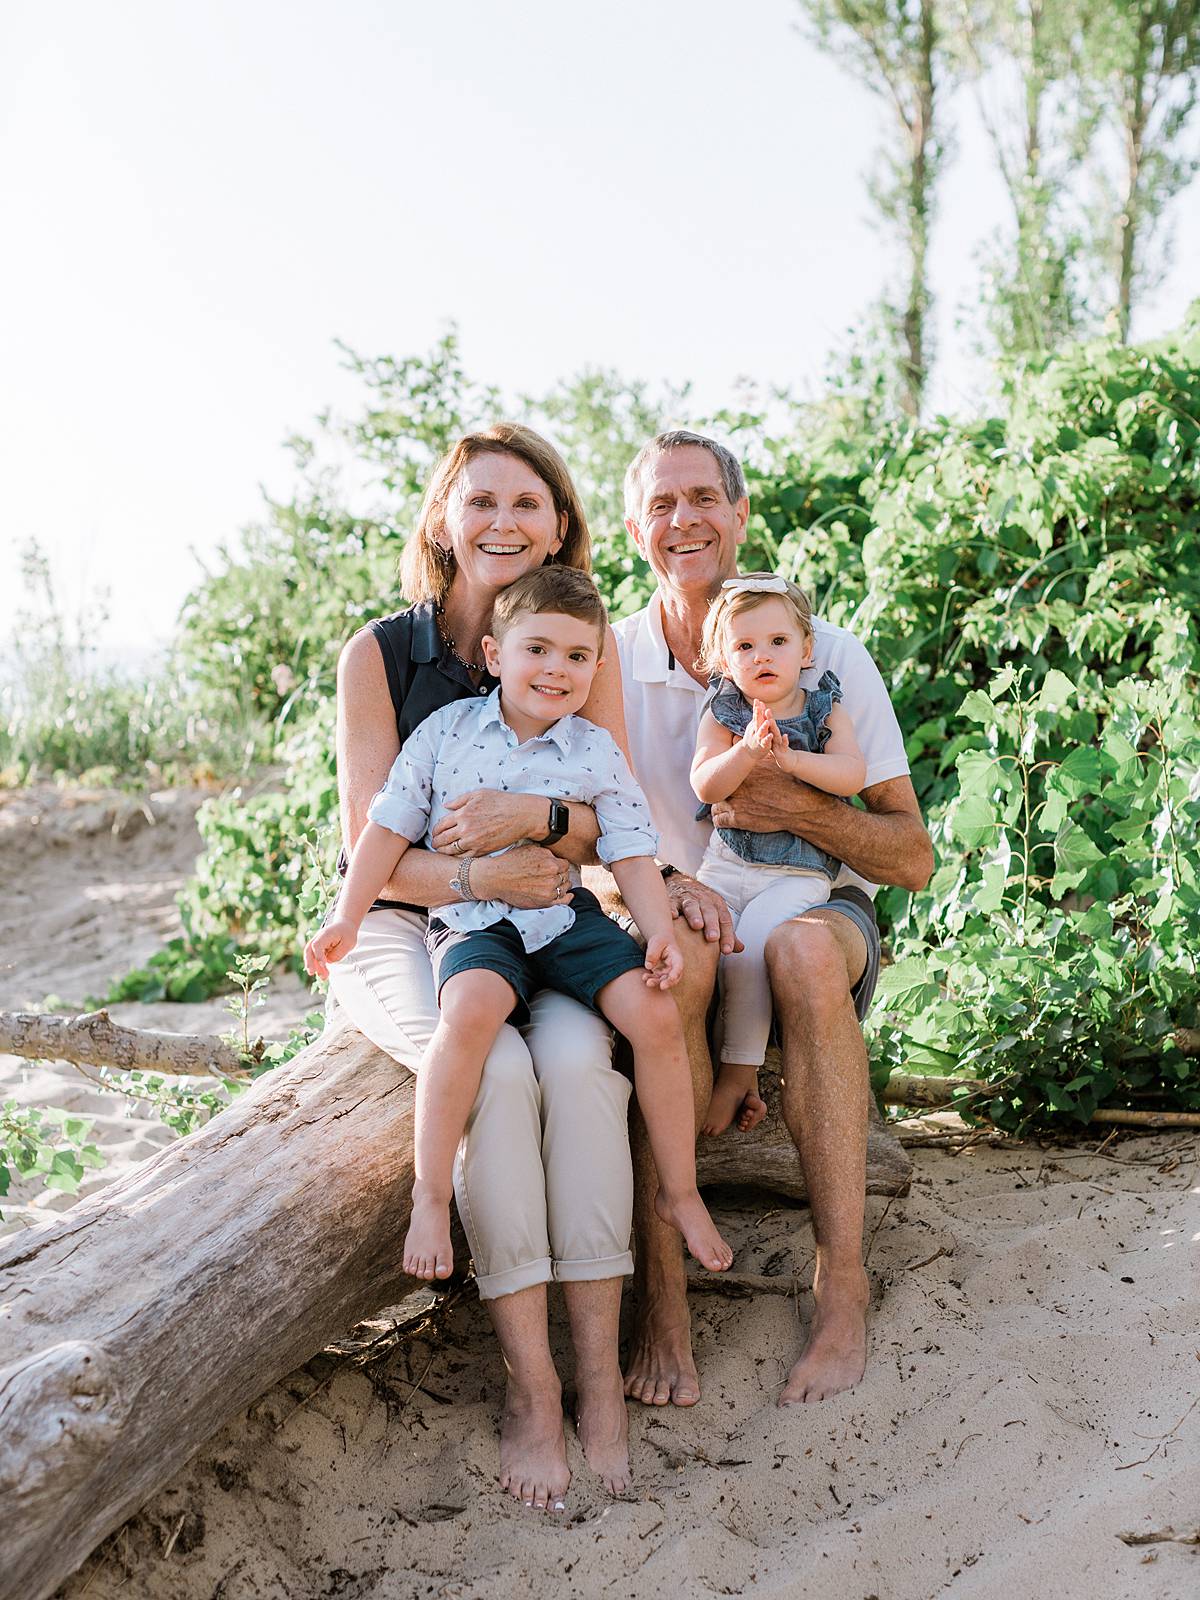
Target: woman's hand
[[489, 819], [704, 909], [528, 877]]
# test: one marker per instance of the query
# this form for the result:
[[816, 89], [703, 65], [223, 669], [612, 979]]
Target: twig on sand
[[1161, 1536], [876, 1228], [178, 1530], [1163, 1438]]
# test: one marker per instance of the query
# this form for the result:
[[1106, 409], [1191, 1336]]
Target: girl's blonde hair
[[744, 594], [427, 571]]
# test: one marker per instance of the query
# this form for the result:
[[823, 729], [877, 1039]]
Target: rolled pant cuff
[[620, 1266], [494, 1284]]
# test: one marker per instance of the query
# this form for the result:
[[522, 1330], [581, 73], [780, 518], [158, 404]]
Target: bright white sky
[[198, 198]]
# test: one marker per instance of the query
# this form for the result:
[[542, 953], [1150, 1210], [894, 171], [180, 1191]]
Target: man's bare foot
[[533, 1452], [735, 1097], [688, 1213], [835, 1356], [661, 1370], [603, 1426], [427, 1250]]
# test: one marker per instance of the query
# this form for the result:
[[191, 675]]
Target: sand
[[1034, 1353]]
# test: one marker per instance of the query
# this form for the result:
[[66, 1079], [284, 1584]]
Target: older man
[[686, 508]]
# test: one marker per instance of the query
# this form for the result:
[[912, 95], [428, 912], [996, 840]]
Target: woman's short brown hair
[[427, 570]]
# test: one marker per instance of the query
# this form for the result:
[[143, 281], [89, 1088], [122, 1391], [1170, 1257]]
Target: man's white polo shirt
[[663, 705]]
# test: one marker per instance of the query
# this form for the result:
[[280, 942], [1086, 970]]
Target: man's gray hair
[[733, 479]]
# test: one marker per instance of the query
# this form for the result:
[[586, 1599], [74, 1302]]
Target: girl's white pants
[[761, 898]]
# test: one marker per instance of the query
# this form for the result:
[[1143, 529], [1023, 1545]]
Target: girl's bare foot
[[533, 1452], [603, 1426], [734, 1098], [688, 1213], [427, 1250]]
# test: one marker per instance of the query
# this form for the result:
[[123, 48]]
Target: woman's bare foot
[[427, 1250], [533, 1452], [734, 1098], [603, 1426], [835, 1356], [688, 1213]]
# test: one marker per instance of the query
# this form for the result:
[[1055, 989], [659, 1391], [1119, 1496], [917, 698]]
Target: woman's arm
[[367, 745], [838, 769], [721, 762]]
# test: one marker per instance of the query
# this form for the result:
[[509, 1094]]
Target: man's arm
[[886, 843]]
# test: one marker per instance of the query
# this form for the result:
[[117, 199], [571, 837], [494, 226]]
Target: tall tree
[[1022, 56], [1144, 56], [894, 48]]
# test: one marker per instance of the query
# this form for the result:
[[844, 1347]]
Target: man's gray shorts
[[860, 908]]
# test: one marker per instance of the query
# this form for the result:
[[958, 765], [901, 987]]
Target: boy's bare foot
[[533, 1452], [835, 1356], [688, 1213], [427, 1250], [661, 1369], [603, 1426], [734, 1098]]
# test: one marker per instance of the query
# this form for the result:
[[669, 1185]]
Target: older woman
[[543, 1181]]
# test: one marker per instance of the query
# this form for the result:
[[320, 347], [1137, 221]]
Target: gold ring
[[457, 847]]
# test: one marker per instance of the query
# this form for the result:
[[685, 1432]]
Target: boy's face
[[545, 662], [765, 650]]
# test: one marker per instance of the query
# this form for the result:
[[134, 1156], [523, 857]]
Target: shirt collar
[[558, 733], [652, 658], [426, 641]]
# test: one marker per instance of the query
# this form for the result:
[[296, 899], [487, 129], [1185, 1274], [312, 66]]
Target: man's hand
[[489, 819], [703, 908], [768, 801], [664, 963], [528, 877]]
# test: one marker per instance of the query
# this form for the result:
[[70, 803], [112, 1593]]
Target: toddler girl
[[757, 641]]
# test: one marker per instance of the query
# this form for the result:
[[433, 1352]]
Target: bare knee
[[806, 967], [700, 957], [649, 1020], [475, 1004]]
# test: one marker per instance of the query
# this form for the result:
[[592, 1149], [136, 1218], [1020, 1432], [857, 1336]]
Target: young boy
[[548, 629]]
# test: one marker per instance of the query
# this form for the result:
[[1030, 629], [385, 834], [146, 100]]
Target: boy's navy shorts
[[592, 952]]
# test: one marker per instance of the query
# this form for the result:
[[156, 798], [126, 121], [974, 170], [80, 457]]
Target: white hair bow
[[756, 585]]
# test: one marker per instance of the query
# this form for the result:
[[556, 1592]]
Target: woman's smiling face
[[500, 521]]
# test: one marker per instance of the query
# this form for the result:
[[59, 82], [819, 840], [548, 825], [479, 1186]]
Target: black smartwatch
[[668, 871], [560, 821]]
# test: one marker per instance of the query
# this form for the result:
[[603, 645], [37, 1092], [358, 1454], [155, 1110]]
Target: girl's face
[[500, 522], [765, 651]]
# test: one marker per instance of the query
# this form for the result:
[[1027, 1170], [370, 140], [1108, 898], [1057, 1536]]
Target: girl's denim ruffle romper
[[808, 731]]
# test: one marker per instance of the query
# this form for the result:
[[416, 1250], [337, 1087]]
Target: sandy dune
[[1034, 1353]]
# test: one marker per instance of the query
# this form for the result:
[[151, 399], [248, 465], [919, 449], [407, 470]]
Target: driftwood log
[[139, 1322]]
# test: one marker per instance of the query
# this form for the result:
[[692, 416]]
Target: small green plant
[[248, 978], [37, 1141]]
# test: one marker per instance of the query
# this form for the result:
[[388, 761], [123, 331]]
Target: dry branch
[[903, 1090], [94, 1039], [136, 1324]]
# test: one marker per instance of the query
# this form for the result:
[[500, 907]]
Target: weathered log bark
[[767, 1157], [95, 1039], [136, 1324]]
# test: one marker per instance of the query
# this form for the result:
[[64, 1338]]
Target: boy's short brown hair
[[562, 589]]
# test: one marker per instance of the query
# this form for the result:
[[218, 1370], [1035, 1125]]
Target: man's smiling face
[[687, 529]]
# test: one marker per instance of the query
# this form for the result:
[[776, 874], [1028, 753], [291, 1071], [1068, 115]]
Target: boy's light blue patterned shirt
[[468, 745]]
